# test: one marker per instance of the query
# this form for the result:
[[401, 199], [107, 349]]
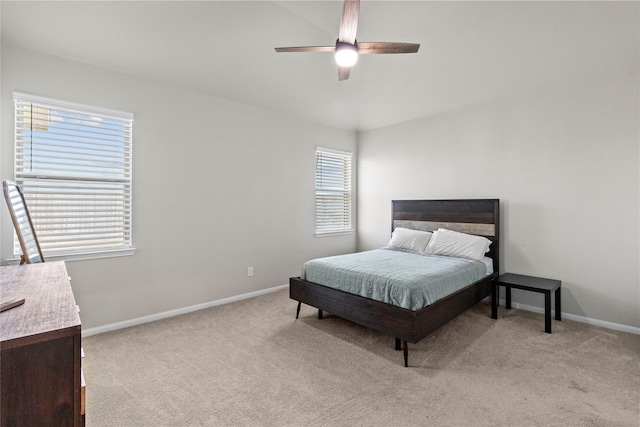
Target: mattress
[[405, 279]]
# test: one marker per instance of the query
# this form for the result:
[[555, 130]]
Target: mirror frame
[[31, 252]]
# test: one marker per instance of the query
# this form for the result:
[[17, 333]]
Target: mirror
[[31, 252]]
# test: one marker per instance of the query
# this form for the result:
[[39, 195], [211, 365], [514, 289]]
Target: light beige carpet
[[251, 363]]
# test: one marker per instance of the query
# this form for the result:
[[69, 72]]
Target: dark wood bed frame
[[479, 217]]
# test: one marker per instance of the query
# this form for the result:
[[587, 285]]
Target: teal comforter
[[405, 279]]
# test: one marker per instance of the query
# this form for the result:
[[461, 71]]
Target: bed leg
[[405, 351], [298, 309], [319, 314], [398, 347]]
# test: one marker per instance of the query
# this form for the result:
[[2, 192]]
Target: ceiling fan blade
[[307, 49], [386, 47], [349, 21], [343, 73]]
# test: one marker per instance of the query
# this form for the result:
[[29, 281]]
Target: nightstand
[[527, 283]]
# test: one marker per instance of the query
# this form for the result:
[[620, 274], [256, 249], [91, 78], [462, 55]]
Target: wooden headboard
[[474, 216]]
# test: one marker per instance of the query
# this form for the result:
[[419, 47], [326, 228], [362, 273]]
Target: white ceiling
[[470, 51]]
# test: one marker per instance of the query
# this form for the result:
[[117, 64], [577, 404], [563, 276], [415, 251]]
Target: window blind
[[73, 164], [333, 191]]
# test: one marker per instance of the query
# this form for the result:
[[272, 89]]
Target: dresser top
[[49, 307]]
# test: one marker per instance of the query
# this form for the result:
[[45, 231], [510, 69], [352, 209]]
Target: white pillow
[[413, 240], [459, 245]]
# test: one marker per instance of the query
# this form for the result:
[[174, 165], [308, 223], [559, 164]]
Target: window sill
[[81, 256], [334, 233]]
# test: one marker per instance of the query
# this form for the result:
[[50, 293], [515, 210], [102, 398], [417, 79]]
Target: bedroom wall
[[218, 187], [565, 163]]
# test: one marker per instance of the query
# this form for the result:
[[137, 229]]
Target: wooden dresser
[[40, 370]]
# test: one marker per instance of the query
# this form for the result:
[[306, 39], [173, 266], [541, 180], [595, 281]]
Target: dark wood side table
[[528, 283]]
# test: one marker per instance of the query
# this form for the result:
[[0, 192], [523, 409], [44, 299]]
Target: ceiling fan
[[347, 48]]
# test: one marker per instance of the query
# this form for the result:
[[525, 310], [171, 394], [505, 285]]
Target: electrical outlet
[[250, 271]]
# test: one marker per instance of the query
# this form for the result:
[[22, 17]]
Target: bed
[[480, 217]]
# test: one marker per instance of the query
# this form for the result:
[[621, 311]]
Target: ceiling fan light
[[346, 54]]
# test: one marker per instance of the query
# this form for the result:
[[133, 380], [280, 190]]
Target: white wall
[[218, 186], [564, 162]]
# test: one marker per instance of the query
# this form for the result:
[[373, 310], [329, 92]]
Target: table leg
[[547, 312], [495, 294], [508, 297], [558, 305]]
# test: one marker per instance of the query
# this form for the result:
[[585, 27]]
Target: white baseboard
[[189, 309], [574, 317], [176, 312]]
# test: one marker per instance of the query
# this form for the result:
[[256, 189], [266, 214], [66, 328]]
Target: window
[[333, 191], [73, 164]]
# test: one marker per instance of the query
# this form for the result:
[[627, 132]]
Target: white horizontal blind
[[333, 191], [73, 164]]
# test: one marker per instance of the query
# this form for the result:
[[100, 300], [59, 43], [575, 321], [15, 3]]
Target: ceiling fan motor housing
[[346, 53]]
